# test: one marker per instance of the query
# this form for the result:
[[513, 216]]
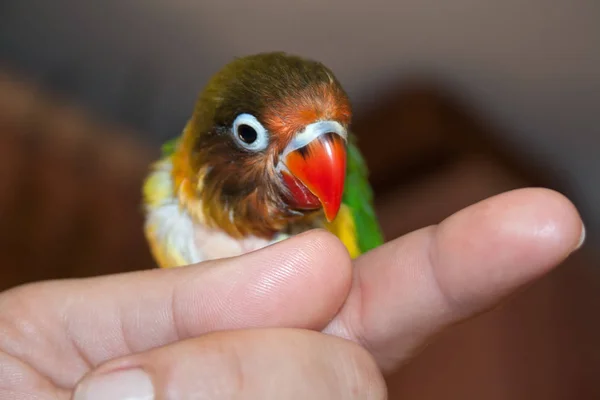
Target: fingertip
[[298, 282], [504, 242], [543, 218], [559, 209], [321, 241], [317, 250], [325, 265]]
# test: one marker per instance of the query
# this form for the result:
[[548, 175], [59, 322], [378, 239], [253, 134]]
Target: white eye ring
[[249, 133]]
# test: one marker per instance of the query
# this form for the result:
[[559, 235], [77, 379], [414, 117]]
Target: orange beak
[[320, 167]]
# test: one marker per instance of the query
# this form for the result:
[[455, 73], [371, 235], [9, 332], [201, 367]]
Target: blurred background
[[454, 102]]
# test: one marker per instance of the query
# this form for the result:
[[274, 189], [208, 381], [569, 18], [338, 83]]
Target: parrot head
[[266, 145]]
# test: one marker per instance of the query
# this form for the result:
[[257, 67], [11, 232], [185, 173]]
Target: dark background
[[455, 102]]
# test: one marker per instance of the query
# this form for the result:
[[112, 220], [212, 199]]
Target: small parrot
[[267, 154]]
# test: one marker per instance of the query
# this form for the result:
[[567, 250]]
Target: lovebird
[[267, 154]]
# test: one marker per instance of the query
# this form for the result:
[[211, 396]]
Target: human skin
[[298, 319]]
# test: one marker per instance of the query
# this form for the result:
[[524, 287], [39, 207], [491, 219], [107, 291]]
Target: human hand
[[295, 320]]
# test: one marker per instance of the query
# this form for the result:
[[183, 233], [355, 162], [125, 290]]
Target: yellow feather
[[165, 256], [343, 227], [158, 192], [158, 186]]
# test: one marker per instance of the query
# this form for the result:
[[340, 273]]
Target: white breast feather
[[182, 239], [174, 229]]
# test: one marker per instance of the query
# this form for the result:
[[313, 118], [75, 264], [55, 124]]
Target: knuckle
[[18, 320]]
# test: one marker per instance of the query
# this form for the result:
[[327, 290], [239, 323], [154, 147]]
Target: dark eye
[[247, 133]]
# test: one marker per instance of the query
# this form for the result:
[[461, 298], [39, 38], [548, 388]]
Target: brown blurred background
[[505, 97]]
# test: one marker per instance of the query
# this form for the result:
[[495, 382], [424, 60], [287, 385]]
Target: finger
[[300, 283], [414, 286], [243, 364]]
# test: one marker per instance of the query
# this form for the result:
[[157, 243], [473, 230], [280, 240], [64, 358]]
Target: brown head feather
[[239, 190]]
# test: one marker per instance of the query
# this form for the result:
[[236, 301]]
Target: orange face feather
[[292, 114]]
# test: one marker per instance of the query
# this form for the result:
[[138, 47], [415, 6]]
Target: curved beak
[[319, 165]]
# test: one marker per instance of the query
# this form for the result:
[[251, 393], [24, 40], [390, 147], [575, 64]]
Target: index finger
[[410, 288]]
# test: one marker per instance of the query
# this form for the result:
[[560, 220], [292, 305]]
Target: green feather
[[358, 196], [168, 148]]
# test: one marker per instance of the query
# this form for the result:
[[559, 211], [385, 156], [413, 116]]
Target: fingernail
[[130, 384], [581, 238]]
